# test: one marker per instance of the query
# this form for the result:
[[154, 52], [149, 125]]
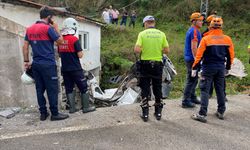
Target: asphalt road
[[120, 128]]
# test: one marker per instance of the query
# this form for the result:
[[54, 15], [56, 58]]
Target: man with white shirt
[[105, 16]]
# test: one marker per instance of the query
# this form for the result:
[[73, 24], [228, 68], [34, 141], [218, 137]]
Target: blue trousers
[[123, 22], [216, 76], [75, 77], [46, 79], [191, 83]]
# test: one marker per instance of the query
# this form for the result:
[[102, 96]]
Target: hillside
[[118, 43], [172, 18]]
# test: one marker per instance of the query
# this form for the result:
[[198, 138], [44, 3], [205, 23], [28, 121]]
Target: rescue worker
[[151, 45], [193, 38], [215, 49], [205, 33], [208, 21], [70, 52], [41, 36]]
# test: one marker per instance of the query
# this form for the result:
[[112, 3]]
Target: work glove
[[194, 73]]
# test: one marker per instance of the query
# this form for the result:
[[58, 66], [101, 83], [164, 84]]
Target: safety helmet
[[70, 23], [210, 18], [148, 18], [216, 22], [196, 16], [27, 79]]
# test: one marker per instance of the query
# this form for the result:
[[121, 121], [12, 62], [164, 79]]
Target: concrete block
[[7, 113]]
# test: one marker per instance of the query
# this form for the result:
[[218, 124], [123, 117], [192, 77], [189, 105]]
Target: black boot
[[145, 110], [59, 116], [158, 110], [72, 103], [85, 103]]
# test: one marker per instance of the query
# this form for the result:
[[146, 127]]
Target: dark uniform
[[152, 41], [214, 50], [41, 37], [73, 73], [71, 68]]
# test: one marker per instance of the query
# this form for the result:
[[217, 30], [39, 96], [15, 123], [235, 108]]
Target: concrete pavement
[[120, 128]]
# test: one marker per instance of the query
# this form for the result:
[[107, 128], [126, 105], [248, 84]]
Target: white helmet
[[70, 23], [26, 79]]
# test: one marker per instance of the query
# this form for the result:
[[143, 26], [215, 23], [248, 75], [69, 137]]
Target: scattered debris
[[129, 97], [115, 79], [128, 91], [56, 143], [166, 88], [27, 115], [10, 112], [16, 109], [237, 69], [7, 113], [31, 123], [168, 70], [167, 76]]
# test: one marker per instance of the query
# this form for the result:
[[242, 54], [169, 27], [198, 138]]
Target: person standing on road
[[151, 45], [208, 21], [41, 37], [193, 38], [215, 49], [70, 52]]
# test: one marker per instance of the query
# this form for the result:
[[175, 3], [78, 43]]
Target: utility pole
[[204, 8]]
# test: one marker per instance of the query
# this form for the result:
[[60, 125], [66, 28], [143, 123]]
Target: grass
[[117, 54]]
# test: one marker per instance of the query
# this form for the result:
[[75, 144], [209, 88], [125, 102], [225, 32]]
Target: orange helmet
[[210, 18], [216, 22], [196, 16]]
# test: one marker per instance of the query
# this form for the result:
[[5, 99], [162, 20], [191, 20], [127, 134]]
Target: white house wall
[[26, 16], [13, 20], [91, 58]]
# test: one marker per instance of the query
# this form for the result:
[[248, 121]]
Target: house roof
[[55, 10]]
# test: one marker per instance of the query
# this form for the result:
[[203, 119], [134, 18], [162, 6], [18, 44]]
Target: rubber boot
[[85, 103], [72, 103], [158, 110]]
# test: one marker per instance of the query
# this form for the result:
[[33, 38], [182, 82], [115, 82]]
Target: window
[[84, 40]]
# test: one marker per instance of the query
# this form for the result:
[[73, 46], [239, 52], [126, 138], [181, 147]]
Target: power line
[[129, 4]]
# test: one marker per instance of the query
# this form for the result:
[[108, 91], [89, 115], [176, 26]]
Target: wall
[[12, 91], [12, 31], [26, 16]]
